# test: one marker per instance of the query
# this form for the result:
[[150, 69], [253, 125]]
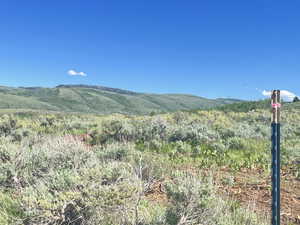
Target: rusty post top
[[276, 105]]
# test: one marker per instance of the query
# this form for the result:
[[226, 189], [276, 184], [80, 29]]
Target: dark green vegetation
[[246, 106], [103, 100], [62, 169], [296, 99]]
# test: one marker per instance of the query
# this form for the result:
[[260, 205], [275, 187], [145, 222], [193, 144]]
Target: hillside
[[98, 99]]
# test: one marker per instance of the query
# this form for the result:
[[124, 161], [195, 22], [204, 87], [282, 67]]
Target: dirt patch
[[157, 194], [253, 187]]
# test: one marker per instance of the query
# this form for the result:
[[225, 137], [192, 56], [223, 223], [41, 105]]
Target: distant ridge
[[117, 90], [101, 100]]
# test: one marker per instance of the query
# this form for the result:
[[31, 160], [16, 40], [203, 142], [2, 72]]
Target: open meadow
[[150, 112], [200, 167]]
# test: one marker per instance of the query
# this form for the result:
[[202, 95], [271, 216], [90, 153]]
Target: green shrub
[[53, 176], [10, 210], [7, 127], [194, 201]]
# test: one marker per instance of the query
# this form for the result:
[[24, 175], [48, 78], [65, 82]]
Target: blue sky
[[208, 48]]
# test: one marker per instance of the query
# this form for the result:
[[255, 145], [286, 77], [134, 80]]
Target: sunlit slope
[[97, 99]]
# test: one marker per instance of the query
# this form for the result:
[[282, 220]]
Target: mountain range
[[102, 100]]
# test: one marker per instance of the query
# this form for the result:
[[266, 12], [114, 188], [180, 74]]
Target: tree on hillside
[[296, 99]]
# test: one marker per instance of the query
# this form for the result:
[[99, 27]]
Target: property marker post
[[276, 157]]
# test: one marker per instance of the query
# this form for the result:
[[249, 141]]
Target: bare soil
[[253, 187]]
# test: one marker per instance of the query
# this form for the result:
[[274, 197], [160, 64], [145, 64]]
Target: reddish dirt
[[80, 138], [252, 187], [156, 194]]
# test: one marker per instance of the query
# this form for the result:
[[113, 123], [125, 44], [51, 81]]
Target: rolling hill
[[99, 99]]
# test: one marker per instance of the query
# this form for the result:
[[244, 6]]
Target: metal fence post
[[276, 157]]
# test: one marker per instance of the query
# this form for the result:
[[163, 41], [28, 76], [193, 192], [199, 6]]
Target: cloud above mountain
[[285, 95], [75, 73]]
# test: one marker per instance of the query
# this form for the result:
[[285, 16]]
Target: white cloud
[[285, 95], [266, 93], [75, 73]]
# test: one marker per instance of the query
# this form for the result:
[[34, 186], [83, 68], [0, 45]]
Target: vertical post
[[276, 157]]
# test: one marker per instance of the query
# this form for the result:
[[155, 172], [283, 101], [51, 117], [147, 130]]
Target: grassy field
[[200, 167]]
